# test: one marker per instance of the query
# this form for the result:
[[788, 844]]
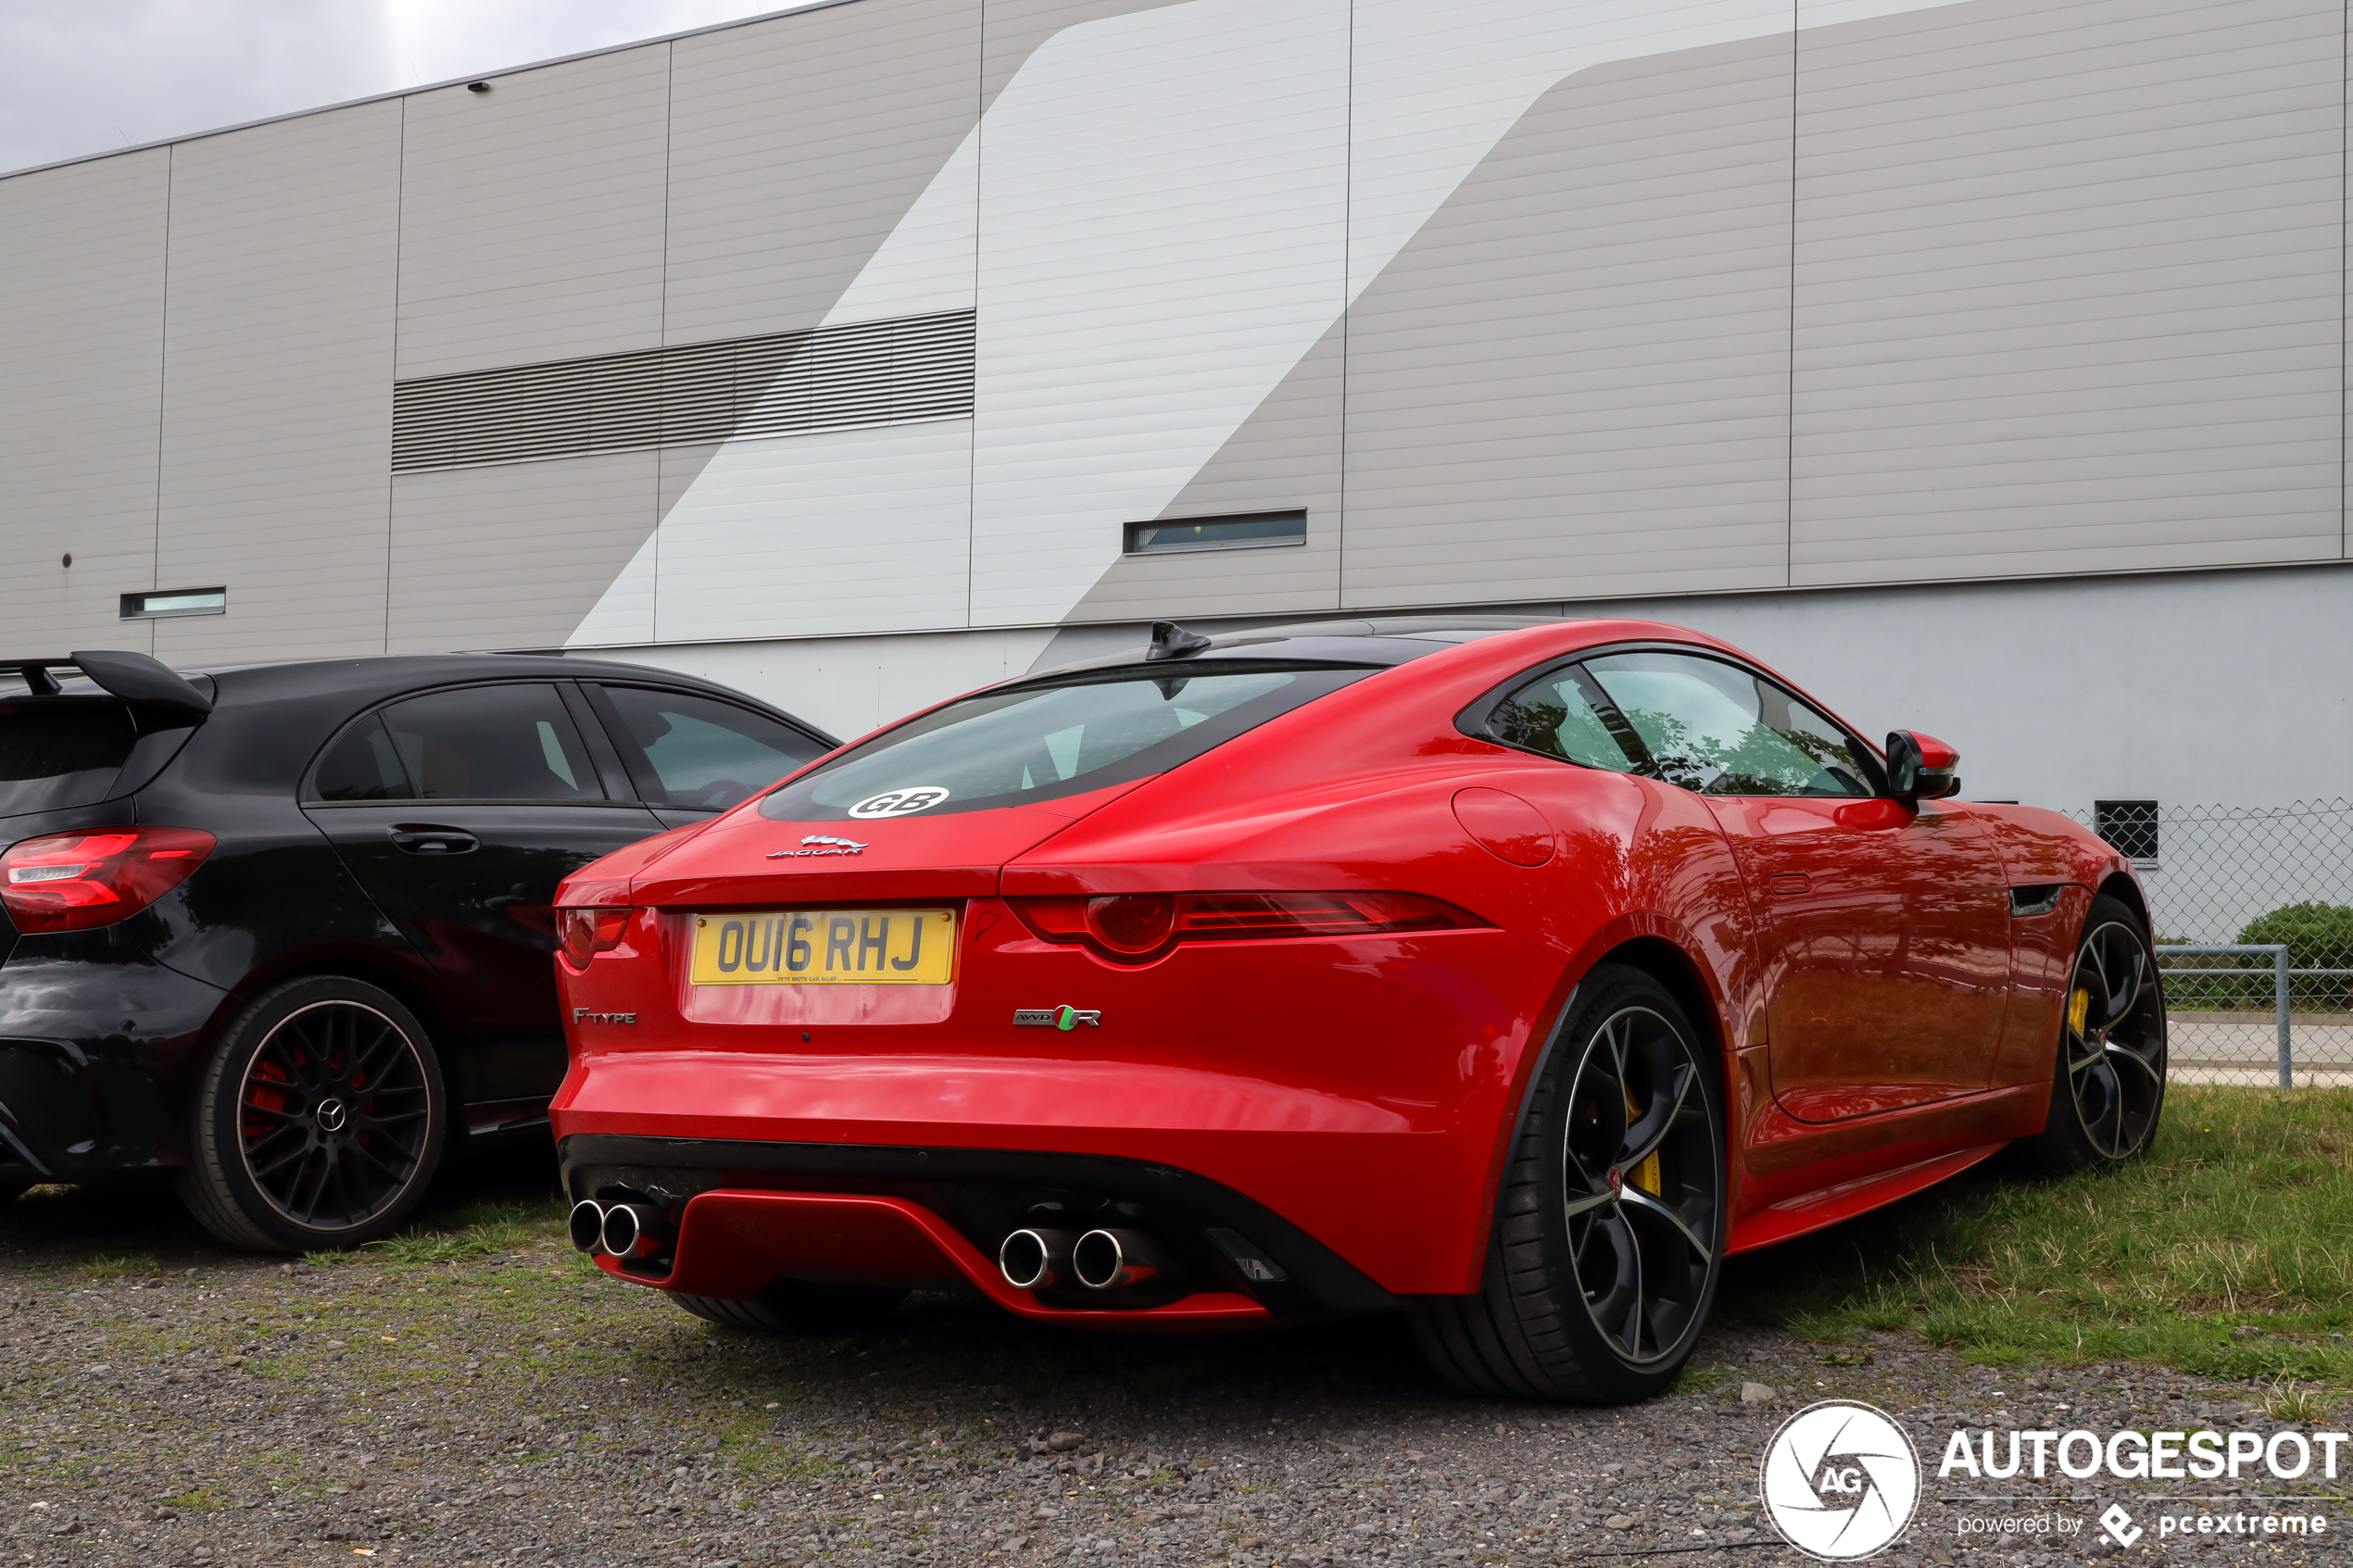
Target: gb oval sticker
[[900, 802]]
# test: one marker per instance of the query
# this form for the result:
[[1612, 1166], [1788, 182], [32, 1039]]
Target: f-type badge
[[1057, 1017]]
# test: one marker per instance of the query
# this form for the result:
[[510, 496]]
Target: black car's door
[[691, 756], [459, 810]]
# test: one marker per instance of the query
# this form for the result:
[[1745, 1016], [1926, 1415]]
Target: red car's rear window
[[1046, 739]]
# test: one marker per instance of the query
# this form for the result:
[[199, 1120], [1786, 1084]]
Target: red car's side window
[[1717, 729]]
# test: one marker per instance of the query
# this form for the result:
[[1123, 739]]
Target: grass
[[2287, 1400], [1695, 1379], [133, 1266], [477, 1231], [2227, 1250]]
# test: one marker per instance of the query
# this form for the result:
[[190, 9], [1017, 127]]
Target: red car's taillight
[[586, 933], [77, 881], [1132, 926]]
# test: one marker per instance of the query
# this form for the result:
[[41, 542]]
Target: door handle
[[425, 838], [1792, 885]]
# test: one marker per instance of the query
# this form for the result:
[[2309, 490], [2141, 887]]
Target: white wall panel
[[797, 145], [1286, 457], [2068, 291], [532, 215], [277, 408], [81, 304], [1162, 211], [801, 535]]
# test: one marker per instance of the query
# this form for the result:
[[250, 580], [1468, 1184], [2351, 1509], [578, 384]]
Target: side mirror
[[1920, 767]]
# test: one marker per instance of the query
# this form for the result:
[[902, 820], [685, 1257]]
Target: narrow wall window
[[2131, 829], [1247, 531], [165, 603]]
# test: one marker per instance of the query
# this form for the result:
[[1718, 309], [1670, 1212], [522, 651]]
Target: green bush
[[2318, 936]]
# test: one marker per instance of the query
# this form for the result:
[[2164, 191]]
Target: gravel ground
[[488, 1400]]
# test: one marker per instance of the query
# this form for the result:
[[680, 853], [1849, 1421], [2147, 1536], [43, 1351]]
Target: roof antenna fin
[[1171, 641]]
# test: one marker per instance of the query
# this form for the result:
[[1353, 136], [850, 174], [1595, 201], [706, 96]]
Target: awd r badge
[[1063, 1017]]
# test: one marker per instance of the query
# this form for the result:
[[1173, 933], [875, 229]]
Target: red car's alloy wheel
[[1639, 1185], [332, 1115], [2113, 1042], [1609, 1229]]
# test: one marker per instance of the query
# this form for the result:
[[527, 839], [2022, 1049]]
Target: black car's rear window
[[60, 752], [1039, 742]]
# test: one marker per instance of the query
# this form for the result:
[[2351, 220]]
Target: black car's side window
[[1561, 714], [363, 766], [487, 743], [705, 753]]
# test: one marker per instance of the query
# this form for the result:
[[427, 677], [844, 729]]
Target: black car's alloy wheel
[[1609, 1233], [321, 1119], [2108, 1088]]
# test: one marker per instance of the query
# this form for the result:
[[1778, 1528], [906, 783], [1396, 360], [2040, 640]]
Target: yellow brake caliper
[[1644, 1176], [2079, 1008]]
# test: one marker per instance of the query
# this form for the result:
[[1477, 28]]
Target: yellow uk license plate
[[825, 947]]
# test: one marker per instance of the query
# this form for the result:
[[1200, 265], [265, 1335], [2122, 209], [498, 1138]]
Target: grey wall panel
[[532, 215], [2068, 289], [277, 407], [1575, 378], [508, 558], [1015, 29], [1286, 455], [797, 145], [81, 302]]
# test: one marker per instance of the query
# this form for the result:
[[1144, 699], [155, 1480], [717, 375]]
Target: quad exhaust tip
[[623, 1230], [631, 1230], [587, 1224], [1032, 1259], [1107, 1259]]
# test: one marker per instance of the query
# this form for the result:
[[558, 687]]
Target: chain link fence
[[2254, 915]]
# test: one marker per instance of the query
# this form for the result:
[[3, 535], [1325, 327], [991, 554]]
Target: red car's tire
[[2108, 1085], [790, 1307], [1617, 1178]]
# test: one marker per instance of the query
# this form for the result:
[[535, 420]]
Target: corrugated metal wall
[[1917, 292]]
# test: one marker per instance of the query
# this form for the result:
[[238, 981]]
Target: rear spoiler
[[133, 677]]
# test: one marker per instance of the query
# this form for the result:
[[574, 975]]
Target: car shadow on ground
[[127, 1229], [944, 1349]]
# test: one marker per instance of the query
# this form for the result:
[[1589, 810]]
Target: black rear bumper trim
[[985, 1194]]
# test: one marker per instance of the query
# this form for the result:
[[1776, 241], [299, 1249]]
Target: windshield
[[60, 753], [1008, 749]]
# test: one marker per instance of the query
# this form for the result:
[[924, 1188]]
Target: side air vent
[[900, 372]]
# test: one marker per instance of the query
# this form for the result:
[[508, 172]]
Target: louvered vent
[[899, 371]]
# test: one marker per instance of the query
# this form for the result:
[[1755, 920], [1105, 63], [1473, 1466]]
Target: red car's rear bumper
[[1360, 1091]]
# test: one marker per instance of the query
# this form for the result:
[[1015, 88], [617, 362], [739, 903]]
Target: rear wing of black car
[[134, 677]]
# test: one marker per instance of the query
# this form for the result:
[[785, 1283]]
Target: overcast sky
[[84, 76]]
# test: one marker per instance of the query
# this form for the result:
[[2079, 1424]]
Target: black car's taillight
[[586, 933], [1131, 927], [78, 881]]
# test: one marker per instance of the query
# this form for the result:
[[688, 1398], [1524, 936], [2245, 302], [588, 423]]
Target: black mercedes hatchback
[[282, 932]]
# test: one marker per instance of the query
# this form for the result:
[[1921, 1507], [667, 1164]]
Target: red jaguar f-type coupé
[[1508, 975]]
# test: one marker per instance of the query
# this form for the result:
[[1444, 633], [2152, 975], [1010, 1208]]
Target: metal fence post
[[2227, 888], [2279, 1000]]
